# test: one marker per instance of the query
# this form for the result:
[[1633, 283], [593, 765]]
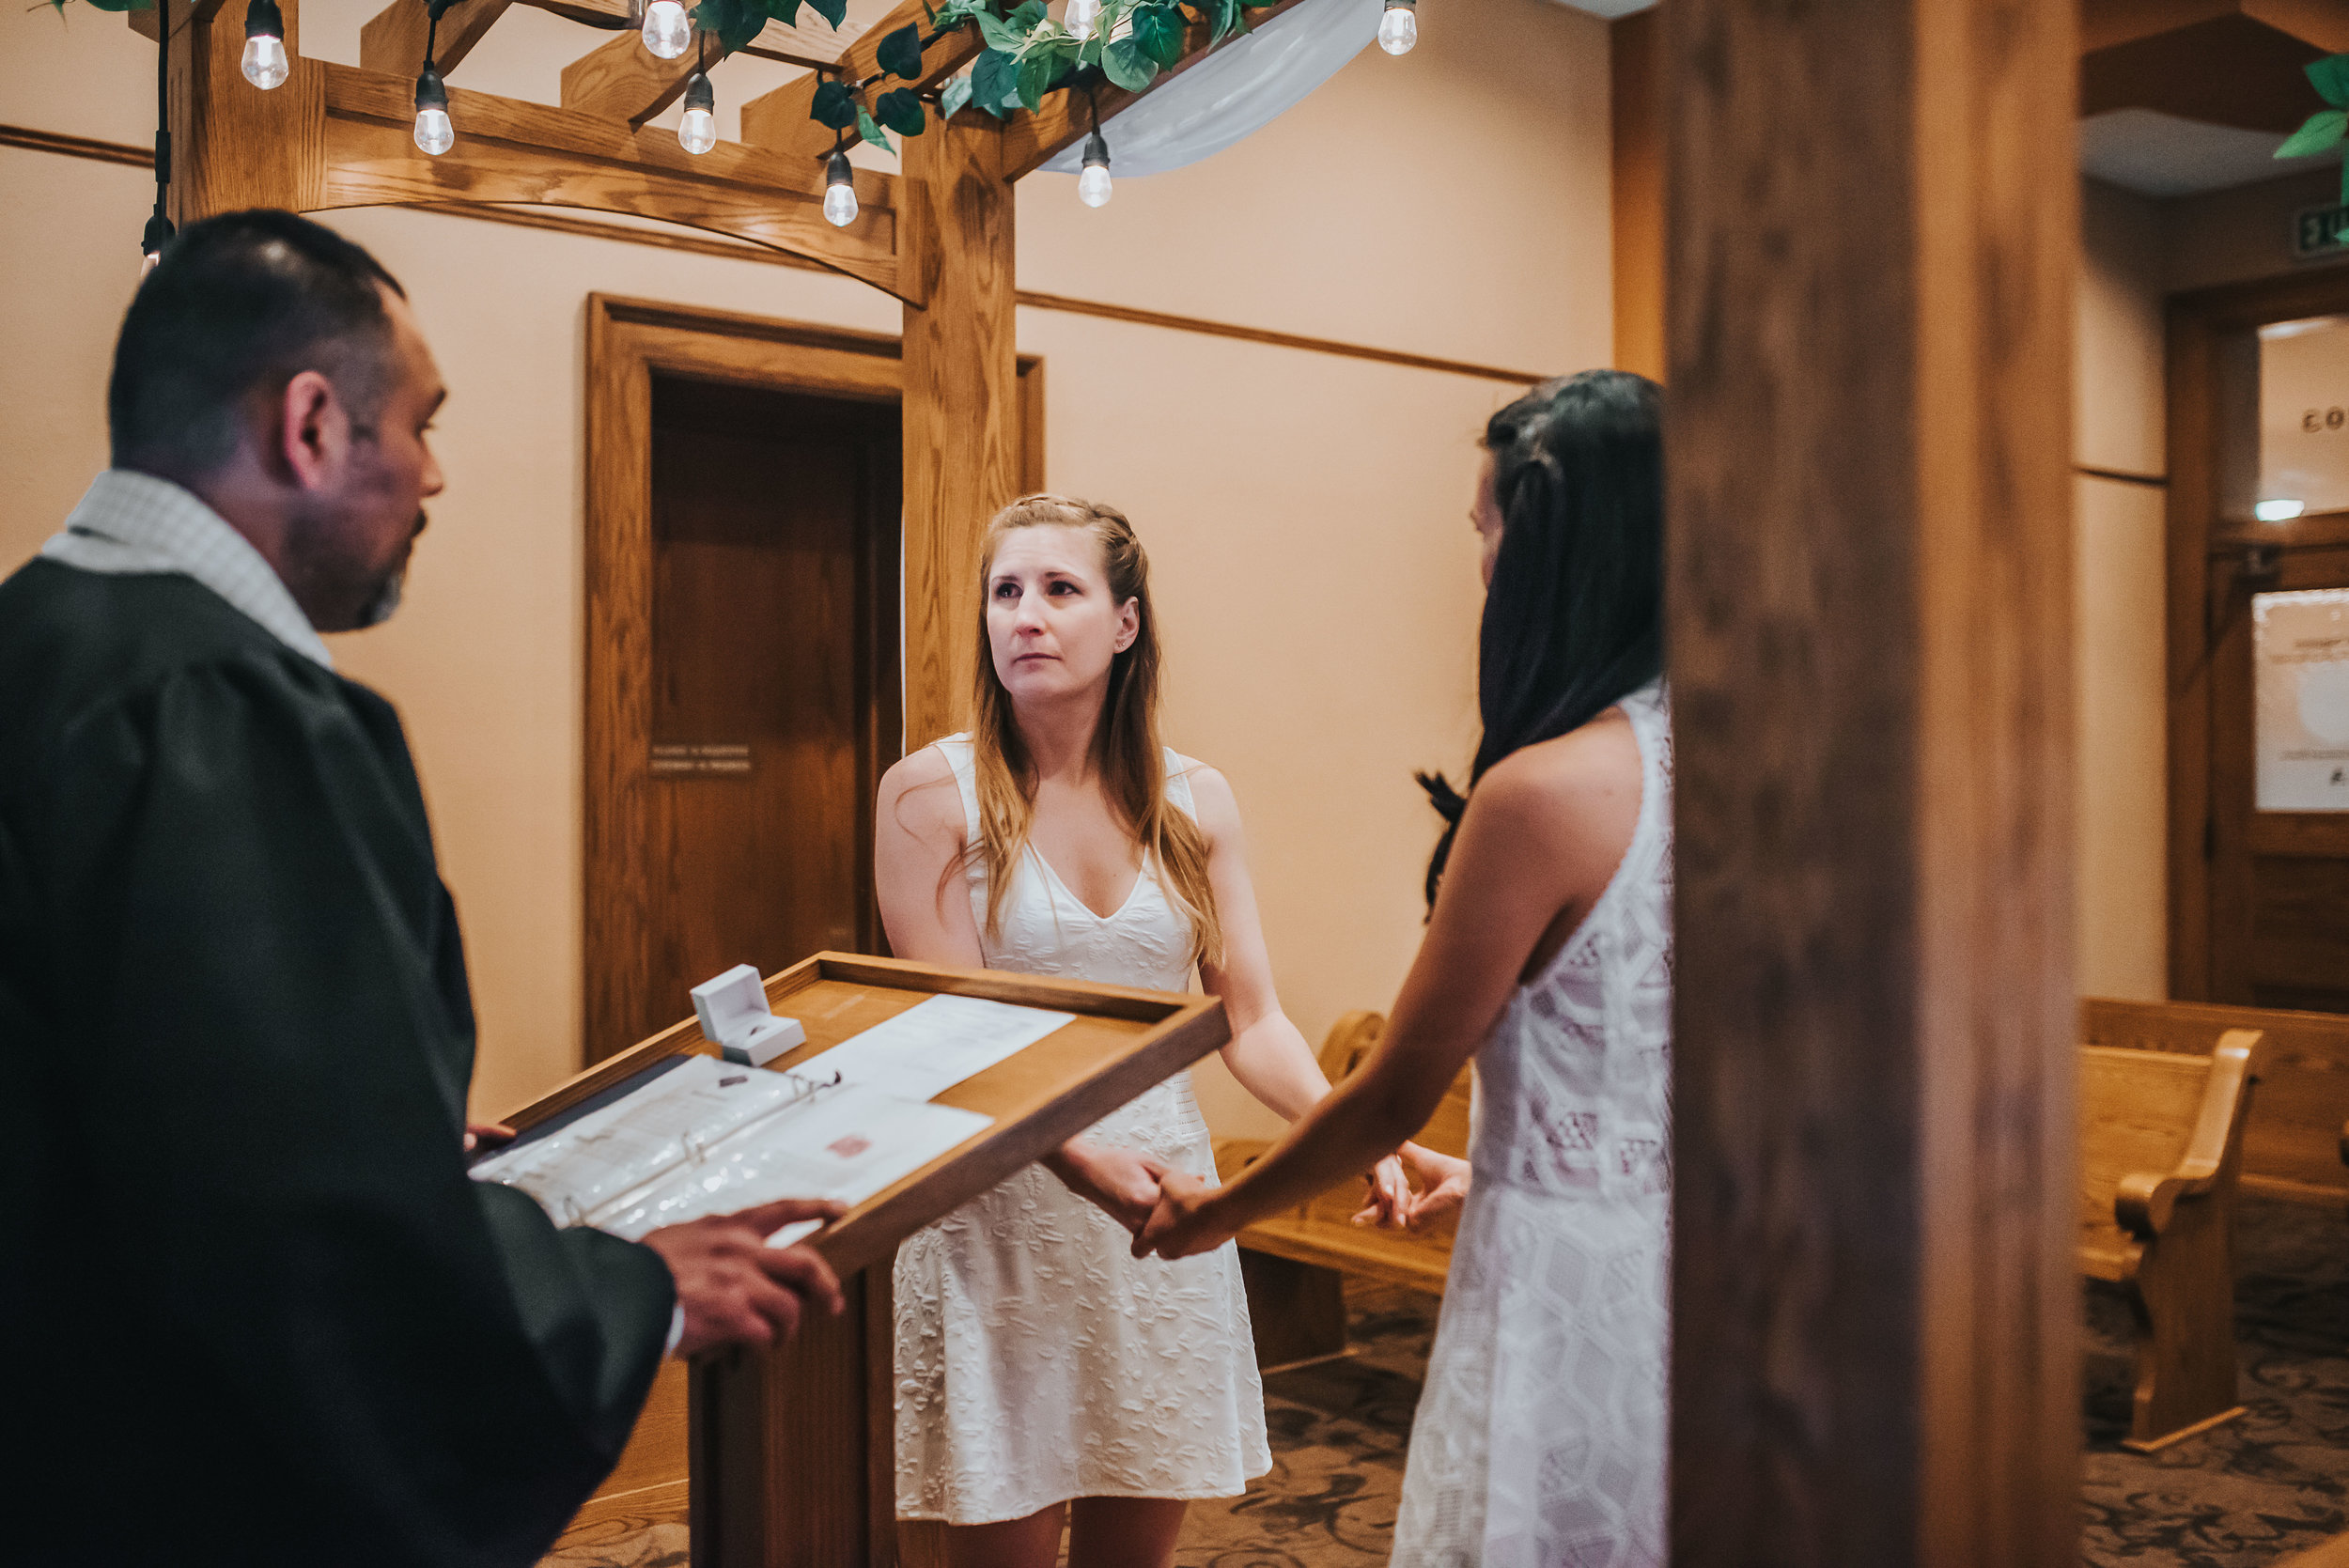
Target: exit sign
[[2317, 231]]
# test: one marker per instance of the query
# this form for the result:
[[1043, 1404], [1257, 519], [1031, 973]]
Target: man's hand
[[486, 1135], [1123, 1182], [734, 1287], [1183, 1224]]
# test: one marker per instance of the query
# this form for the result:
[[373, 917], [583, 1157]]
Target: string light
[[159, 230], [1092, 186], [434, 134], [839, 191], [1082, 15], [667, 33], [698, 131], [1399, 29], [264, 44]]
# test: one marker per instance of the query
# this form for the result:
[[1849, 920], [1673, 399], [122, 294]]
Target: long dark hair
[[1574, 619]]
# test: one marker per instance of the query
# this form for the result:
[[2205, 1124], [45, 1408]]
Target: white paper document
[[713, 1137], [936, 1044]]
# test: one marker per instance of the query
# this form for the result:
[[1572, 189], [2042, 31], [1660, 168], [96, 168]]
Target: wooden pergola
[[1870, 242]]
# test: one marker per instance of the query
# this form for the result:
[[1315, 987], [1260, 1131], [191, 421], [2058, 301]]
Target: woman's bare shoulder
[[1552, 786], [918, 792]]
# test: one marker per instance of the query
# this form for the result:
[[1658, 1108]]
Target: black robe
[[252, 1311]]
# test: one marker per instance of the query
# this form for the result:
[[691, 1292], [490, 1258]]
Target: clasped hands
[[1163, 1207]]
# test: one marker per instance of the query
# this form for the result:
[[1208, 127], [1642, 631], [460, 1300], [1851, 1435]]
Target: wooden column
[[1636, 126], [1872, 235], [233, 145], [962, 423]]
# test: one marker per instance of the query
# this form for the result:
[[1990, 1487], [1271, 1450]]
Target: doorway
[[743, 645], [2259, 635]]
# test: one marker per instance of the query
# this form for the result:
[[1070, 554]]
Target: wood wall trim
[[579, 225], [1869, 311], [1636, 110], [2121, 477]]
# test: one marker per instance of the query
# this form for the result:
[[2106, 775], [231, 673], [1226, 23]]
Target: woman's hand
[[1123, 1183], [1443, 1186], [1388, 1203], [1183, 1225]]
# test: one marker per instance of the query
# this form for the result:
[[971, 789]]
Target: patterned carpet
[[2272, 1483]]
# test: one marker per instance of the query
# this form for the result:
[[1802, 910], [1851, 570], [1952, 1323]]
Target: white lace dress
[[1540, 1437], [1037, 1361]]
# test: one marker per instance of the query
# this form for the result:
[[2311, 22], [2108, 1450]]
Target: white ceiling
[[2161, 155]]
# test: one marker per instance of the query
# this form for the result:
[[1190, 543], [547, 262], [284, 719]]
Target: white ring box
[[735, 1017]]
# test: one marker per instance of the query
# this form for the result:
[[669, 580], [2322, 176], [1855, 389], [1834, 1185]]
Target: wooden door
[[2259, 652], [775, 678]]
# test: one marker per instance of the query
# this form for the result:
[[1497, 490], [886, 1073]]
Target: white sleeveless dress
[[1037, 1361], [1541, 1433]]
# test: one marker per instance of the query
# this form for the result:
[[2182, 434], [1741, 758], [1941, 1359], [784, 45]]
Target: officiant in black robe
[[252, 1311]]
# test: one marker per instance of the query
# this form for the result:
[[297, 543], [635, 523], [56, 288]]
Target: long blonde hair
[[1125, 749]]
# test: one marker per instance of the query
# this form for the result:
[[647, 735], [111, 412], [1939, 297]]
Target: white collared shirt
[[130, 522]]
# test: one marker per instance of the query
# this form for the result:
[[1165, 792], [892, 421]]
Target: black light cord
[[159, 228], [431, 33]]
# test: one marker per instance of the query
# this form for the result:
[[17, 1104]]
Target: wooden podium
[[791, 1451]]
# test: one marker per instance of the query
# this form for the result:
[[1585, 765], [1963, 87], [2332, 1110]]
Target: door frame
[[2196, 555], [629, 341]]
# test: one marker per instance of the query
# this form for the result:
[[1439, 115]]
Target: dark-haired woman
[[1540, 1436], [1039, 1365]]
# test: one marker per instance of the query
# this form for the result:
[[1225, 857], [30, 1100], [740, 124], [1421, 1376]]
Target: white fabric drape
[[1234, 92]]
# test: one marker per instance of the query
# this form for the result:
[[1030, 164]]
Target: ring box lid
[[735, 1018]]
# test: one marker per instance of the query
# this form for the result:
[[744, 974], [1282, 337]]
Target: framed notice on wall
[[2300, 651]]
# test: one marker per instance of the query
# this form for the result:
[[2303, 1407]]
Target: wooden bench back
[[2138, 1113], [1353, 1036], [2294, 1146]]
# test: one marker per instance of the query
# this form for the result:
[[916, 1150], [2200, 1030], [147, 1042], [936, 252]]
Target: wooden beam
[[1872, 240], [961, 407], [778, 119], [512, 151], [621, 78], [2228, 70], [1636, 109], [2105, 24], [392, 39], [233, 147], [182, 13], [1031, 141]]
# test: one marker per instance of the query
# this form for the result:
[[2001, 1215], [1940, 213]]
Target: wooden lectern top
[[1120, 1043]]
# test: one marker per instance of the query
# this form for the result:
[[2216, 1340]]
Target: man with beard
[[252, 1310]]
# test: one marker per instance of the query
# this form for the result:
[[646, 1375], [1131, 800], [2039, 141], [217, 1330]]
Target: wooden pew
[[2161, 1151], [2297, 1144], [1295, 1262]]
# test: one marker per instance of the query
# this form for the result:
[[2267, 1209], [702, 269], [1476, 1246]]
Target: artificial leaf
[[999, 34], [784, 12], [954, 13], [994, 80], [900, 109], [2329, 76], [735, 22], [832, 11], [1223, 19], [955, 95], [900, 53], [868, 128], [2325, 129], [833, 105], [1127, 64], [1035, 80], [113, 6], [1158, 29], [1028, 16]]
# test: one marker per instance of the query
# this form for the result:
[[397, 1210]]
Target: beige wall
[[2117, 647], [1306, 512]]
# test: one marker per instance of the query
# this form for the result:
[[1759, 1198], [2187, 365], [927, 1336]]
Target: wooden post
[[233, 145], [1872, 235], [962, 419]]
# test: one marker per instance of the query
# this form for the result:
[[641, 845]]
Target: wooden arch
[[938, 235]]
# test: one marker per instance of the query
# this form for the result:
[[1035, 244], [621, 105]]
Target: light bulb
[[1398, 29], [151, 242], [667, 33], [434, 134], [839, 191], [698, 131], [264, 61], [1093, 185], [264, 44], [1081, 18]]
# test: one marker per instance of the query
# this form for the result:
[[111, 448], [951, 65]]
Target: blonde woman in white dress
[[1046, 1378], [1541, 1433]]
